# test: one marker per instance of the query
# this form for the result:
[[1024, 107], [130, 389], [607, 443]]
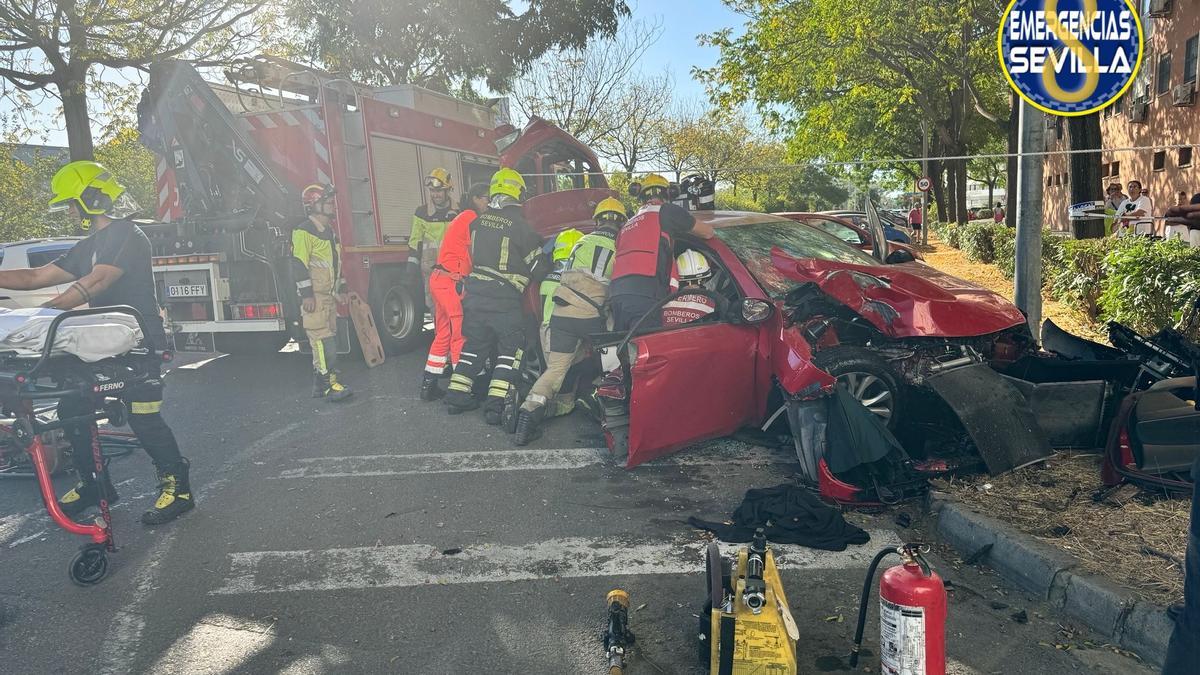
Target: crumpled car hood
[[907, 300]]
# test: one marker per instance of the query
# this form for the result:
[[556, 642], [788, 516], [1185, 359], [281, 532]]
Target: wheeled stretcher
[[110, 364]]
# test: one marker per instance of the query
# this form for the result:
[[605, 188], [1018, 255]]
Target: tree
[[57, 47], [991, 171], [635, 134], [681, 138], [24, 195], [445, 44], [133, 165], [579, 89], [860, 85], [1083, 133]]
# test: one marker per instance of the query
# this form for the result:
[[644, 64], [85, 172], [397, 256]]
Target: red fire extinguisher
[[912, 615]]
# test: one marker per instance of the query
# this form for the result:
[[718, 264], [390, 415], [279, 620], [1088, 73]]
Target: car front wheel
[[867, 377]]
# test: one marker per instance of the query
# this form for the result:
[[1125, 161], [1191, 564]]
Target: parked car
[[855, 235], [895, 228], [798, 309], [32, 253]]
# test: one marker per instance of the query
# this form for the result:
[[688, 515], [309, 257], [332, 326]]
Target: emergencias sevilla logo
[[1070, 57]]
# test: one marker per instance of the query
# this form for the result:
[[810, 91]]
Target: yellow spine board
[[762, 645]]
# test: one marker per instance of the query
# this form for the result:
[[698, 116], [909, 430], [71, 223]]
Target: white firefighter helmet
[[693, 267]]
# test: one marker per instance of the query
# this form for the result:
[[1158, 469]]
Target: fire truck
[[233, 158]]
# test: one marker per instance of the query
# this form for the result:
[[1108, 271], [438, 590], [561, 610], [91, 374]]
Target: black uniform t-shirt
[[121, 244]]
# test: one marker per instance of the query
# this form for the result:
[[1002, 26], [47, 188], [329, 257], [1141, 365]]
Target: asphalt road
[[379, 536]]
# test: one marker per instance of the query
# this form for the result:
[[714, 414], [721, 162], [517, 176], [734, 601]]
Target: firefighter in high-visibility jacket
[[314, 266], [505, 257], [564, 243], [644, 268], [429, 229], [578, 311], [694, 272], [445, 285]]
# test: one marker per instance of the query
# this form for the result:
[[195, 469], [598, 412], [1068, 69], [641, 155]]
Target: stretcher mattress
[[91, 338]]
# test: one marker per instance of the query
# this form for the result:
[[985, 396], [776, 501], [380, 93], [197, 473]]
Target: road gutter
[[1106, 608]]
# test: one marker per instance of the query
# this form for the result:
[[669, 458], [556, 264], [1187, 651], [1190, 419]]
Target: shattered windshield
[[753, 243]]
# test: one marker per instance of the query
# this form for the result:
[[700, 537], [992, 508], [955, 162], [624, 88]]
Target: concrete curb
[[1111, 611]]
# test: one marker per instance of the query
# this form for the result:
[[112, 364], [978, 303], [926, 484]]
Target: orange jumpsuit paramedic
[[445, 287]]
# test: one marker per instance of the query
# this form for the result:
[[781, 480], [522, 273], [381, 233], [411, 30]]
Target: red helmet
[[314, 194]]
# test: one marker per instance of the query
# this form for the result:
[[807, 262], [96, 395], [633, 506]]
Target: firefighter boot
[[512, 406], [86, 494], [529, 425], [589, 402], [327, 387], [429, 387], [175, 496], [493, 410]]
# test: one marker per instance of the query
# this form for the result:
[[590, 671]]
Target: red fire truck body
[[229, 185]]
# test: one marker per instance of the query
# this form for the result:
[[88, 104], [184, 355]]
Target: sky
[[677, 50]]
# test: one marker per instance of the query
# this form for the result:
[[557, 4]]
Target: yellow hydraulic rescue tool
[[750, 628]]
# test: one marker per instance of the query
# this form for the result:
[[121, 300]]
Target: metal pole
[[924, 193], [1028, 291]]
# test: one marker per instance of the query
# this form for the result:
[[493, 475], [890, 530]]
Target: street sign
[[923, 183]]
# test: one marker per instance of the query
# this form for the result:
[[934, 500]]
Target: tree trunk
[[1083, 133], [1014, 137], [939, 189], [78, 123], [960, 182], [991, 193], [951, 192]]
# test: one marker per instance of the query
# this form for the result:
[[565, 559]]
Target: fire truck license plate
[[187, 291]]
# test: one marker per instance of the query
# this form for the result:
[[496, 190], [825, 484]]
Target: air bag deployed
[[995, 414]]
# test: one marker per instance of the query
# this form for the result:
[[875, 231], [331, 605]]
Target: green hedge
[[1147, 284], [1143, 283]]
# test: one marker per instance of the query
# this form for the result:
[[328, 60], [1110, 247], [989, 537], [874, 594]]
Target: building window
[[1191, 52], [1163, 75], [1185, 157], [1104, 168], [1118, 106], [1058, 128], [1160, 160], [1116, 169], [1066, 179]]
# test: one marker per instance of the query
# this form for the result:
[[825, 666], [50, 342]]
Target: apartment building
[[1159, 109]]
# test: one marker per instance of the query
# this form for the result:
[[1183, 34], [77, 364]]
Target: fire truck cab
[[232, 160]]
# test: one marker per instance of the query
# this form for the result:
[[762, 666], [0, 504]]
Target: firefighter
[[564, 243], [314, 264], [505, 258], [578, 311], [111, 266], [428, 230], [644, 268], [694, 272], [445, 285]]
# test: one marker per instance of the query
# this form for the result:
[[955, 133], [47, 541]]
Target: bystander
[[998, 213], [1112, 201], [1135, 214], [1183, 221]]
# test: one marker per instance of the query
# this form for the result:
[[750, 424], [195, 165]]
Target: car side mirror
[[754, 311], [899, 256]]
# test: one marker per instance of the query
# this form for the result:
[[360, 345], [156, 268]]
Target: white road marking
[[120, 648], [559, 459], [30, 538], [409, 565], [217, 644]]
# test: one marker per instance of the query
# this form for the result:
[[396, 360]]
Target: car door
[[45, 254], [690, 384]]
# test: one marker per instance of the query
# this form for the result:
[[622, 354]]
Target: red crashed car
[[797, 308], [854, 234]]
